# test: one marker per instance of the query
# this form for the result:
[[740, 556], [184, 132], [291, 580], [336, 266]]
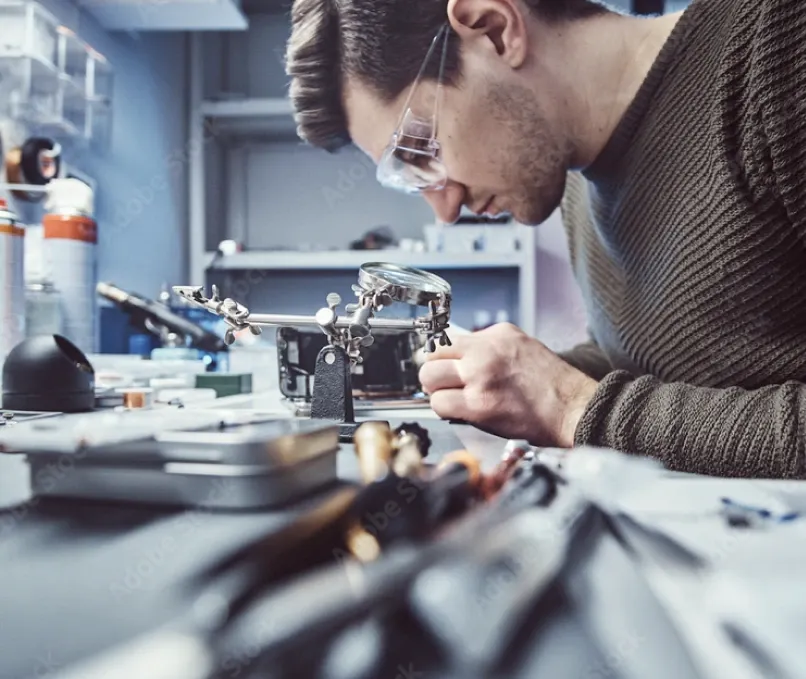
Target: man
[[676, 146]]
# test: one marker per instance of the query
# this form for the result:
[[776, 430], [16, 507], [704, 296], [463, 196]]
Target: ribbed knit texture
[[688, 240]]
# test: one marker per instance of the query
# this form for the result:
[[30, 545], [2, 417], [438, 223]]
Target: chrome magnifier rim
[[405, 284]]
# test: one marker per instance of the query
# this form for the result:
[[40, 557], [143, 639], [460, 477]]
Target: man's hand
[[508, 383]]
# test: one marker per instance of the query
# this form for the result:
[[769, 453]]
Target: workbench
[[79, 578]]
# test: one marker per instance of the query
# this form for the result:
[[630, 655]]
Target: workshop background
[[187, 141], [148, 144]]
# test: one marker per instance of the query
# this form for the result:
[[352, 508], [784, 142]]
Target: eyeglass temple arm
[[445, 29], [442, 60]]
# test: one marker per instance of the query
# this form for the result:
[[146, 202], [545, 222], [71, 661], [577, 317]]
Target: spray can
[[70, 250], [12, 281], [43, 307]]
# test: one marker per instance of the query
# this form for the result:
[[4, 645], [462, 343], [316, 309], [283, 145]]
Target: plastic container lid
[[70, 195], [5, 208]]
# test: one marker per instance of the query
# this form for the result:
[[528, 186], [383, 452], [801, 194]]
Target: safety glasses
[[412, 162]]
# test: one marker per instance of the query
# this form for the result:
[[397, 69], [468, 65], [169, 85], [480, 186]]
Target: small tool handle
[[374, 446]]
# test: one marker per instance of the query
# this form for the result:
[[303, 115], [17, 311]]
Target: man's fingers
[[436, 375], [449, 404], [458, 348]]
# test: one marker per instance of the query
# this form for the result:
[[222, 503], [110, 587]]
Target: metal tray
[[272, 445], [117, 434], [185, 484]]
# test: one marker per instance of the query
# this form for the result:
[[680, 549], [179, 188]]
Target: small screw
[[330, 358]]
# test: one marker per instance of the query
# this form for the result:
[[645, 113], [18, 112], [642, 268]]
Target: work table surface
[[80, 577]]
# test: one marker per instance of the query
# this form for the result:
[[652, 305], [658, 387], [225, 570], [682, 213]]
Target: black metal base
[[332, 386], [333, 392]]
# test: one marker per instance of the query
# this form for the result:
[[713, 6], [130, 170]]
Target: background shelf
[[353, 259], [253, 117]]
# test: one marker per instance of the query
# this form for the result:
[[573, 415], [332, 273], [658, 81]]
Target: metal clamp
[[351, 332]]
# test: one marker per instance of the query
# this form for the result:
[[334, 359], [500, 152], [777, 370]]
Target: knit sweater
[[688, 240]]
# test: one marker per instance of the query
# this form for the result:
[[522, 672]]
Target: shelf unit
[[51, 80], [267, 117]]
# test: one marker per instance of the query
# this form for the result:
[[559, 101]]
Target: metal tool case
[[204, 458]]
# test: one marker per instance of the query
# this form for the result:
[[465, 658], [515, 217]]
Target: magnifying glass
[[404, 284]]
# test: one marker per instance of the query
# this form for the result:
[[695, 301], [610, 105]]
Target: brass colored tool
[[514, 452], [362, 544], [461, 461], [374, 445], [307, 541]]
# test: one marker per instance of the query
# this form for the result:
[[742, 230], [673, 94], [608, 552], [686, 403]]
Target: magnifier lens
[[413, 279]]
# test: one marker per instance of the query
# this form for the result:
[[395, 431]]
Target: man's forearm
[[721, 432]]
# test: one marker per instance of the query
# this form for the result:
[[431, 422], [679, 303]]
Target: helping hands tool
[[379, 285]]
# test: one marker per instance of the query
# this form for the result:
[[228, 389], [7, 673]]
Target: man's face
[[501, 149]]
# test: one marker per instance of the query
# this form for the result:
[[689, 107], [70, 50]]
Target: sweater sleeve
[[588, 358], [722, 432]]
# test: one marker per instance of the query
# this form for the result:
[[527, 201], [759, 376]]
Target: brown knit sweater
[[688, 239]]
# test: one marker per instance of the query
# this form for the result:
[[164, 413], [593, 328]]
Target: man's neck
[[613, 55]]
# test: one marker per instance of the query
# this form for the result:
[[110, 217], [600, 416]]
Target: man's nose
[[447, 203]]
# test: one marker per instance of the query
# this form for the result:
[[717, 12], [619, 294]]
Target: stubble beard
[[536, 165]]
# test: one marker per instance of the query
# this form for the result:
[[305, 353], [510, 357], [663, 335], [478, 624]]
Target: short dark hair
[[381, 43]]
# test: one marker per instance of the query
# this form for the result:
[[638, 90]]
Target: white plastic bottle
[[12, 281], [70, 247]]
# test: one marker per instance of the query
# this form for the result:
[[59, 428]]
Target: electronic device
[[389, 370]]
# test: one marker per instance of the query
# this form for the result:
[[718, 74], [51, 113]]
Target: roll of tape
[[36, 162], [41, 160]]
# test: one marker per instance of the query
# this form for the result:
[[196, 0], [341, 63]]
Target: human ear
[[498, 26]]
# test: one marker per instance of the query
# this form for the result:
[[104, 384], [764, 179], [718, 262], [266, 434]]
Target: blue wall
[[141, 203]]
